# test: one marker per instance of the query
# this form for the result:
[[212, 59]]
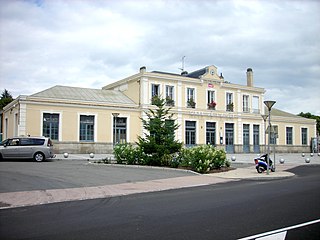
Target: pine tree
[[5, 98], [159, 140]]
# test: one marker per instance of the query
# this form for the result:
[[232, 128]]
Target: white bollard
[[307, 160], [319, 154], [311, 154], [281, 161], [66, 155], [302, 154], [233, 158], [91, 155]]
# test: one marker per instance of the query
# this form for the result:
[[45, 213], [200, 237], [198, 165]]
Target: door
[[120, 130], [211, 133], [229, 132], [256, 137], [11, 150], [190, 133], [246, 138]]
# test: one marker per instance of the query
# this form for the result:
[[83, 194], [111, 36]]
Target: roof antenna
[[182, 60]]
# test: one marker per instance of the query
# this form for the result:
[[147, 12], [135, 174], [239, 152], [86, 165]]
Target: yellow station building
[[208, 109]]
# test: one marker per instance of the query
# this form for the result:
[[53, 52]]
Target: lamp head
[[269, 104], [264, 117]]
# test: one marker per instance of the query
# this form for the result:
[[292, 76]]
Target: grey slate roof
[[197, 74], [84, 94]]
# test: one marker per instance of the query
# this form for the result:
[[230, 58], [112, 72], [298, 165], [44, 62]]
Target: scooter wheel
[[260, 169], [272, 169]]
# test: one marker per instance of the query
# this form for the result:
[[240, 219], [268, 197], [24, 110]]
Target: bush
[[203, 158], [126, 153]]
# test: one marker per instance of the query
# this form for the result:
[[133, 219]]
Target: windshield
[[4, 142]]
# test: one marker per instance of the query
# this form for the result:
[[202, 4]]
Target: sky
[[92, 43]]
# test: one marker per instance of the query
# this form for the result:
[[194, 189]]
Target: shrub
[[126, 153], [203, 158]]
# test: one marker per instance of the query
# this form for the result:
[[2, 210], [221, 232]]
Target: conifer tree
[[159, 138]]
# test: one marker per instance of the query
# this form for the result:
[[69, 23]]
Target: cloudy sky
[[91, 43]]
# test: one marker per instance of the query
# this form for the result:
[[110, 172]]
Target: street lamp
[[264, 117], [269, 105], [115, 115]]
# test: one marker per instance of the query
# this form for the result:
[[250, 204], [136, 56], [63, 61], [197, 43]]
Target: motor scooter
[[262, 163]]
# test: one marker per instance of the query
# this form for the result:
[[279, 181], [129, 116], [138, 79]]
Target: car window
[[13, 142], [32, 141], [25, 142], [37, 141]]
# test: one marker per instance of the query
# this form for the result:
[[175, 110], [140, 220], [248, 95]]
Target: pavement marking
[[277, 234]]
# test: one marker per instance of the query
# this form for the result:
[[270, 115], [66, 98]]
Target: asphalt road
[[223, 211], [26, 176]]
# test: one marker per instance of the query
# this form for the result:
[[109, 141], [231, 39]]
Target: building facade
[[208, 109]]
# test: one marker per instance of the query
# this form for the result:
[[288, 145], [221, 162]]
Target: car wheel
[[39, 157]]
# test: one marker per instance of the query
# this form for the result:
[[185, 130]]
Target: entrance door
[[190, 133], [211, 133], [229, 137], [246, 138], [256, 137]]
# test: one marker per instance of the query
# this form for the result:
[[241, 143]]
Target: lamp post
[[269, 105], [115, 115], [264, 117]]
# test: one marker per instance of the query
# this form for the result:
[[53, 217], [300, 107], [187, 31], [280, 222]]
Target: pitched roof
[[84, 94], [197, 73], [280, 113]]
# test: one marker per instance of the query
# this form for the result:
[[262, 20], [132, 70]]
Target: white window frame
[[245, 103], [95, 125], [60, 122]]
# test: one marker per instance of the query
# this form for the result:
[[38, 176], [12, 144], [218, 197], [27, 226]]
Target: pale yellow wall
[[296, 132], [70, 121], [133, 89]]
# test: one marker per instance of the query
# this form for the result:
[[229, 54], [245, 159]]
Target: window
[[119, 130], [229, 101], [289, 132], [304, 136], [169, 92], [211, 100], [274, 134], [50, 126], [245, 103], [191, 97], [169, 95], [211, 133], [190, 133], [86, 128], [155, 88], [255, 104]]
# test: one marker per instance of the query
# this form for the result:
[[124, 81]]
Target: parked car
[[36, 148]]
